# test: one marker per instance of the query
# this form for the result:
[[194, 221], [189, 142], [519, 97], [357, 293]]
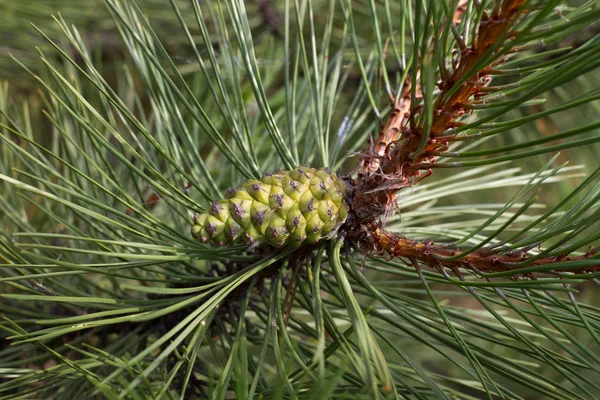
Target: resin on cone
[[303, 205]]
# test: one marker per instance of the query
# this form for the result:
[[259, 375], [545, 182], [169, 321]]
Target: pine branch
[[480, 261], [371, 161], [395, 162], [404, 148]]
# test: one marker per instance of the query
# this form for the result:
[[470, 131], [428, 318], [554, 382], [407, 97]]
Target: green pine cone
[[303, 205]]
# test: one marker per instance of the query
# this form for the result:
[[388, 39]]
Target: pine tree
[[333, 161]]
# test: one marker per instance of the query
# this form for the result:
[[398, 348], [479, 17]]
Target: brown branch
[[491, 30], [370, 162], [390, 163], [394, 162], [478, 261]]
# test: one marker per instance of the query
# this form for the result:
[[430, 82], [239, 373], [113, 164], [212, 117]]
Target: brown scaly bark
[[479, 261], [392, 162]]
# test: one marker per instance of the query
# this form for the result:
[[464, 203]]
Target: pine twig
[[393, 162], [479, 261], [390, 133], [398, 157]]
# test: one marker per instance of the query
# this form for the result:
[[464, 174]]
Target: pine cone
[[303, 205]]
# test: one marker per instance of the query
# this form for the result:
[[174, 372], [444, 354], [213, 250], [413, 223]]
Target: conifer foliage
[[387, 199]]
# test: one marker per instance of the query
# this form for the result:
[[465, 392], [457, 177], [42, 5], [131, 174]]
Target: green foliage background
[[105, 295]]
